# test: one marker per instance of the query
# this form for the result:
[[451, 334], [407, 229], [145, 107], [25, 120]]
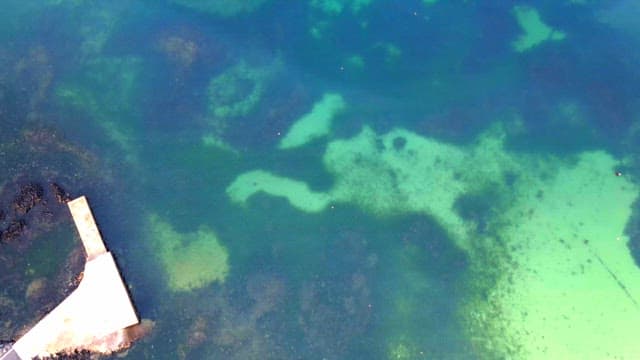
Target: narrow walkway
[[99, 308]]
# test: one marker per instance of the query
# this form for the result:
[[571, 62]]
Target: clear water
[[479, 218]]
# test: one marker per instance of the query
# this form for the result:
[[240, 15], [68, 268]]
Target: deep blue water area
[[153, 108]]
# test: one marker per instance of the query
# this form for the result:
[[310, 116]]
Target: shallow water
[[459, 200]]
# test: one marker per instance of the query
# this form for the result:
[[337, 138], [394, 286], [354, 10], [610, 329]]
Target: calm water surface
[[340, 179]]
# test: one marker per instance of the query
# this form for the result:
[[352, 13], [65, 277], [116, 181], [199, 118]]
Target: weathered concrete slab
[[11, 355], [99, 307], [87, 228]]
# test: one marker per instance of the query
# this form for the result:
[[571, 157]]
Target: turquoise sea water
[[448, 190]]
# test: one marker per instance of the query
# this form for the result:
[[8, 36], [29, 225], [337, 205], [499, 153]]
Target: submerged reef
[[233, 321], [234, 97], [191, 260], [251, 316], [391, 173], [334, 313], [73, 355], [570, 286], [224, 8], [555, 221], [237, 91]]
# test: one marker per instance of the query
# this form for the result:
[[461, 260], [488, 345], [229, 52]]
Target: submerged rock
[[13, 231], [75, 355], [5, 346], [61, 195], [30, 195], [36, 289]]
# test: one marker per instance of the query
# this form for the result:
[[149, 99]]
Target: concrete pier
[[95, 314]]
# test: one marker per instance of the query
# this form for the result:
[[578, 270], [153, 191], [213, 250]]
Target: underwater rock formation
[[61, 195], [122, 339], [28, 209], [231, 321], [234, 99], [74, 355], [180, 51], [30, 195], [569, 281], [237, 91], [224, 8], [13, 231], [334, 313], [391, 173], [545, 230]]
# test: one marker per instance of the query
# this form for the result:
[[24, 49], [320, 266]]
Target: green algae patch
[[296, 192], [237, 91], [550, 274], [314, 124], [569, 288], [395, 173], [401, 172], [191, 260], [236, 94], [535, 30]]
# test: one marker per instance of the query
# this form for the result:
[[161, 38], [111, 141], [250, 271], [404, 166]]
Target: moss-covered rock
[[191, 260]]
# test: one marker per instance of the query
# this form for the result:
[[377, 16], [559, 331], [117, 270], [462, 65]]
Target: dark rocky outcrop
[[13, 231], [30, 195], [61, 195], [75, 355]]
